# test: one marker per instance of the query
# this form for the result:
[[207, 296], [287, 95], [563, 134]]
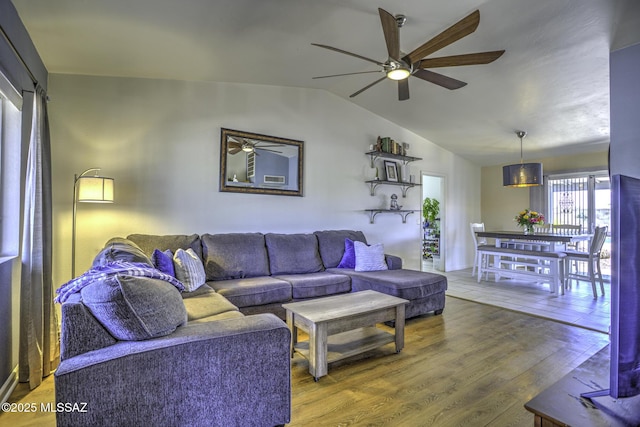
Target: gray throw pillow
[[189, 269], [135, 308], [369, 258]]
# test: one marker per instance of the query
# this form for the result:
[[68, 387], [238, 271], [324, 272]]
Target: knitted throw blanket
[[110, 269]]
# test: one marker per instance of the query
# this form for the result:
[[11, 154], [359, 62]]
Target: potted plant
[[430, 211]]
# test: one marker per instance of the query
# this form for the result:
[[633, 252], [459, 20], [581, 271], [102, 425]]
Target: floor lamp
[[88, 189]]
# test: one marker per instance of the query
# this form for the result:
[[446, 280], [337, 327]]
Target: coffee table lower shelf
[[350, 343]]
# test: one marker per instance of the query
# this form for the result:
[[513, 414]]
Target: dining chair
[[592, 258], [543, 228], [568, 229], [478, 243]]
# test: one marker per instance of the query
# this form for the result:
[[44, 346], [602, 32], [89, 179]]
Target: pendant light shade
[[522, 174]]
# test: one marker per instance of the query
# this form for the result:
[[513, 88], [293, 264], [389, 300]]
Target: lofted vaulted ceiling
[[553, 80]]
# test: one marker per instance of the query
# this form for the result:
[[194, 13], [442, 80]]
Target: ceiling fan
[[399, 66], [236, 145]]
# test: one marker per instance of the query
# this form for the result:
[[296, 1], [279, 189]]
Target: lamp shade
[[95, 189], [522, 175]]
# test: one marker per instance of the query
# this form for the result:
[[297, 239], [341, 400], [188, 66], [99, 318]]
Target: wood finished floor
[[576, 307], [475, 365]]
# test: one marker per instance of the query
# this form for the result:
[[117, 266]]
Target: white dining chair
[[544, 228], [571, 230], [478, 243], [592, 258]]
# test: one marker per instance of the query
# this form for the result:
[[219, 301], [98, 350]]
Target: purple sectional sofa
[[140, 352]]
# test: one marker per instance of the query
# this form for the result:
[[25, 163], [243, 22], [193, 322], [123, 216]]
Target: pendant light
[[522, 174]]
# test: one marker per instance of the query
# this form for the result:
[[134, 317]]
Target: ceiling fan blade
[[235, 150], [439, 79], [367, 87], [457, 60], [403, 90], [335, 49], [346, 74], [460, 29], [391, 35], [234, 144]]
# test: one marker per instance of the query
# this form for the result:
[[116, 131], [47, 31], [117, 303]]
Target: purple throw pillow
[[349, 258], [163, 261]]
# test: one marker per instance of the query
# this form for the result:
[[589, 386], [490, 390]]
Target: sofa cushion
[[331, 244], [163, 261], [314, 285], [234, 256], [189, 269], [369, 258], [119, 249], [293, 253], [205, 302], [407, 284], [135, 308], [220, 316], [149, 242], [253, 291]]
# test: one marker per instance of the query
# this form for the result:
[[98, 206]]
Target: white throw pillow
[[189, 269], [370, 258]]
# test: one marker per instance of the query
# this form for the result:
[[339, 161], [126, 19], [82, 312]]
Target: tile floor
[[576, 307]]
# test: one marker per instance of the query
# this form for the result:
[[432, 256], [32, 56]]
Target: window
[[582, 199], [10, 122]]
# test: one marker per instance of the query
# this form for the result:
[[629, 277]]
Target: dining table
[[555, 241], [537, 255]]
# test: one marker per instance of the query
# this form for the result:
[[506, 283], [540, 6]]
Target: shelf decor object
[[88, 189], [391, 171]]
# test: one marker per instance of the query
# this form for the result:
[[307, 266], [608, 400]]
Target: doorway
[[433, 243]]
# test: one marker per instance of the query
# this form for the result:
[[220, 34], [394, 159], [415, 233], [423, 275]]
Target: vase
[[528, 229]]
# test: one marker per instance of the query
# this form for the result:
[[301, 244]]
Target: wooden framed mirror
[[260, 164]]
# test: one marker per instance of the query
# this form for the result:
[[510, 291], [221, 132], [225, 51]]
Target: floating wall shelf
[[404, 213]]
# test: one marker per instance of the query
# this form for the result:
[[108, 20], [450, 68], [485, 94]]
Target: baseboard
[[9, 385]]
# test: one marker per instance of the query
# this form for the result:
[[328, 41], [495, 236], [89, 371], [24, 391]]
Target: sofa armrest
[[393, 262], [225, 372]]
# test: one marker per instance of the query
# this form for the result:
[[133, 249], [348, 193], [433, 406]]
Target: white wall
[[160, 140]]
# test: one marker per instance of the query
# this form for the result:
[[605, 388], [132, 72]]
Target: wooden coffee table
[[344, 325]]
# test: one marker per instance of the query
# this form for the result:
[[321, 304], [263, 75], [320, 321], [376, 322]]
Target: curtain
[[39, 335]]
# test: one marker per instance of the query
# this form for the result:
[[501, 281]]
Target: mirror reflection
[[254, 163]]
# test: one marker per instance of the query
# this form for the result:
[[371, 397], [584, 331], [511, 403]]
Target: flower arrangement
[[528, 218]]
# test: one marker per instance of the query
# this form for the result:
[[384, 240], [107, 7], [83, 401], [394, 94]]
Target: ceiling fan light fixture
[[522, 174], [398, 74], [247, 148], [397, 70]]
